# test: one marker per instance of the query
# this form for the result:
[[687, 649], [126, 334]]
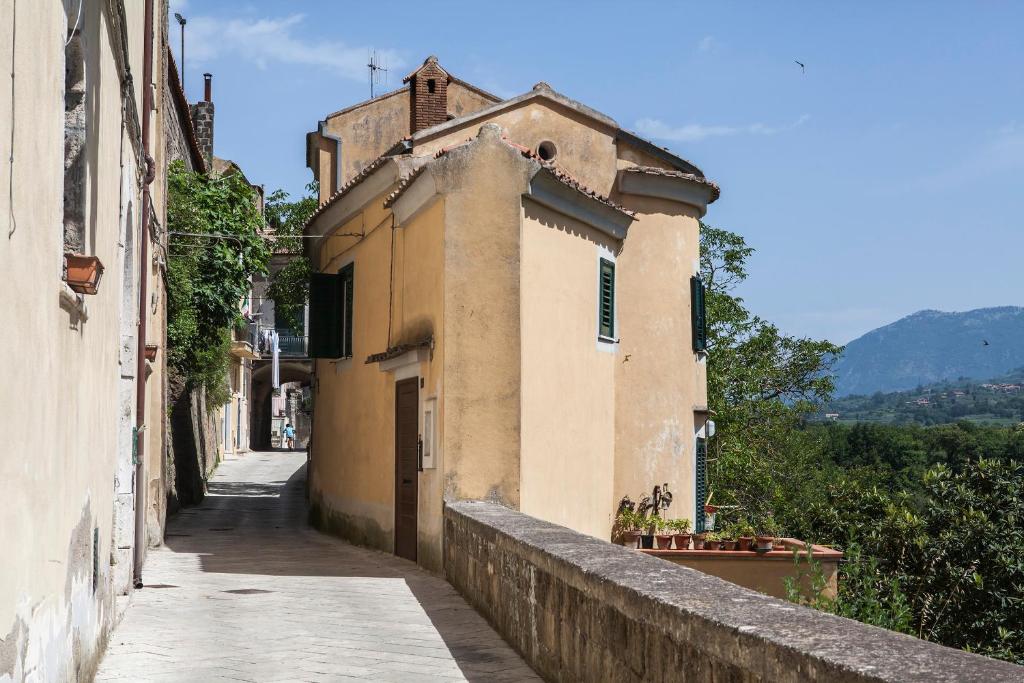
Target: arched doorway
[[294, 377]]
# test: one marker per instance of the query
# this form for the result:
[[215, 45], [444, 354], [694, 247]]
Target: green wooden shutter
[[606, 312], [698, 314], [347, 275], [324, 316], [701, 476]]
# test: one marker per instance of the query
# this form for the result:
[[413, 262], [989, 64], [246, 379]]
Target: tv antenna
[[378, 72]]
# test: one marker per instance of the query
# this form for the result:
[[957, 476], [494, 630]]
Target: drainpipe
[[144, 268]]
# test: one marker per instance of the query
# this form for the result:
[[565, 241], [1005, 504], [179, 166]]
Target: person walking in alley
[[289, 436]]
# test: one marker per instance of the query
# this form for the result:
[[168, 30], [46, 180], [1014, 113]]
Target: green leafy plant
[[289, 286], [215, 247], [680, 526]]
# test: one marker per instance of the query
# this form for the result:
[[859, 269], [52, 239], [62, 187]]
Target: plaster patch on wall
[[668, 440], [59, 637]]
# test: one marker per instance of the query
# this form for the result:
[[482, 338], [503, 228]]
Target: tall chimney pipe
[[208, 87]]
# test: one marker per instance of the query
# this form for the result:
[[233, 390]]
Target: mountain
[[932, 346]]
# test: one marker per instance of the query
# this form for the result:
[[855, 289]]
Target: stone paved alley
[[243, 590]]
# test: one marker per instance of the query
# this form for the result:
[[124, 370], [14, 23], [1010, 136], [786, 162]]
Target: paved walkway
[[245, 591]]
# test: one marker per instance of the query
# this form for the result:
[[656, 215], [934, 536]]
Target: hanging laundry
[[276, 370]]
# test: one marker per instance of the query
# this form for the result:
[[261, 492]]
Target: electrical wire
[[74, 30]]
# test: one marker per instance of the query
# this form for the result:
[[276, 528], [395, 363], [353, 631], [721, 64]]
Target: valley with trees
[[930, 516]]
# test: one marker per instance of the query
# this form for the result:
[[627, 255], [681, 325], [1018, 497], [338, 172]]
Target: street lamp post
[[181, 23]]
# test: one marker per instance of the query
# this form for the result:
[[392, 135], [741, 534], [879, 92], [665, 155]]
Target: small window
[[698, 314], [547, 150], [606, 294], [431, 85]]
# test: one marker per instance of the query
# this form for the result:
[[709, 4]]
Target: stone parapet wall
[[580, 609]]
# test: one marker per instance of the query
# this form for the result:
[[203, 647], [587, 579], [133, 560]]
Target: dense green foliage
[[215, 249], [289, 286], [761, 385], [931, 518], [996, 401]]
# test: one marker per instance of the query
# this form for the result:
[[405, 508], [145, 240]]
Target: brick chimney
[[428, 94], [202, 119]]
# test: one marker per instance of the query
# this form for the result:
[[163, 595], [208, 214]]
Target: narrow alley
[[244, 590]]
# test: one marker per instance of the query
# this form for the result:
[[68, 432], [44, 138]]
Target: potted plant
[[83, 273], [681, 533], [627, 523], [663, 538], [654, 504], [744, 534], [764, 541], [698, 540], [712, 540], [728, 541], [647, 531]]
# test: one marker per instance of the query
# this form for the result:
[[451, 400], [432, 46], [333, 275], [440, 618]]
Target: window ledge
[[607, 340], [73, 301]]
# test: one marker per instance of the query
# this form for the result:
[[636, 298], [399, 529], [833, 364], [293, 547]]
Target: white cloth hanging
[[276, 371]]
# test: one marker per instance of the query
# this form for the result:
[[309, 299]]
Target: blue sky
[[886, 178]]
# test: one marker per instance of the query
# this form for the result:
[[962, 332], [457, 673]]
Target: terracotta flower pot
[[83, 273], [629, 538], [712, 545], [744, 542], [647, 541], [682, 541], [151, 350], [763, 544], [664, 541], [698, 541], [728, 545]]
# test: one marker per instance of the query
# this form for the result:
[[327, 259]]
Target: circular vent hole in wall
[[547, 150]]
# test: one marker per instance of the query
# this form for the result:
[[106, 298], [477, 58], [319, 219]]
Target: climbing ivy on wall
[[215, 247]]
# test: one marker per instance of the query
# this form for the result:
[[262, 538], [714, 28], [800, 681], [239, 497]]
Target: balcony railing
[[289, 344], [293, 346]]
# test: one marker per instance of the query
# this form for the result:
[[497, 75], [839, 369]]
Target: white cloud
[[706, 44], [695, 131], [266, 41]]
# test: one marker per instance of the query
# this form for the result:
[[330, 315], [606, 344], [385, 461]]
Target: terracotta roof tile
[[548, 166], [355, 180], [565, 178], [653, 170]]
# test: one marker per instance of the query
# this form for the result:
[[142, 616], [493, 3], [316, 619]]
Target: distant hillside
[[932, 346], [996, 401]]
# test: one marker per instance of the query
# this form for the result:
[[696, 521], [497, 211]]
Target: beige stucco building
[[502, 312], [73, 174]]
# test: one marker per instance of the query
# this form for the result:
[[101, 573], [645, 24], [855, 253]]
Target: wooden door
[[406, 466]]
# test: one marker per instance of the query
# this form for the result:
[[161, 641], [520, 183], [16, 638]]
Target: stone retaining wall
[[581, 609]]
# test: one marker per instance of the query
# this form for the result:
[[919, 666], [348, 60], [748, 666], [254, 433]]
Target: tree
[[946, 566], [215, 249], [289, 287], [761, 385]]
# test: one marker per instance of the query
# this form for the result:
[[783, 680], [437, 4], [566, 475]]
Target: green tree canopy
[[289, 287], [215, 248]]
